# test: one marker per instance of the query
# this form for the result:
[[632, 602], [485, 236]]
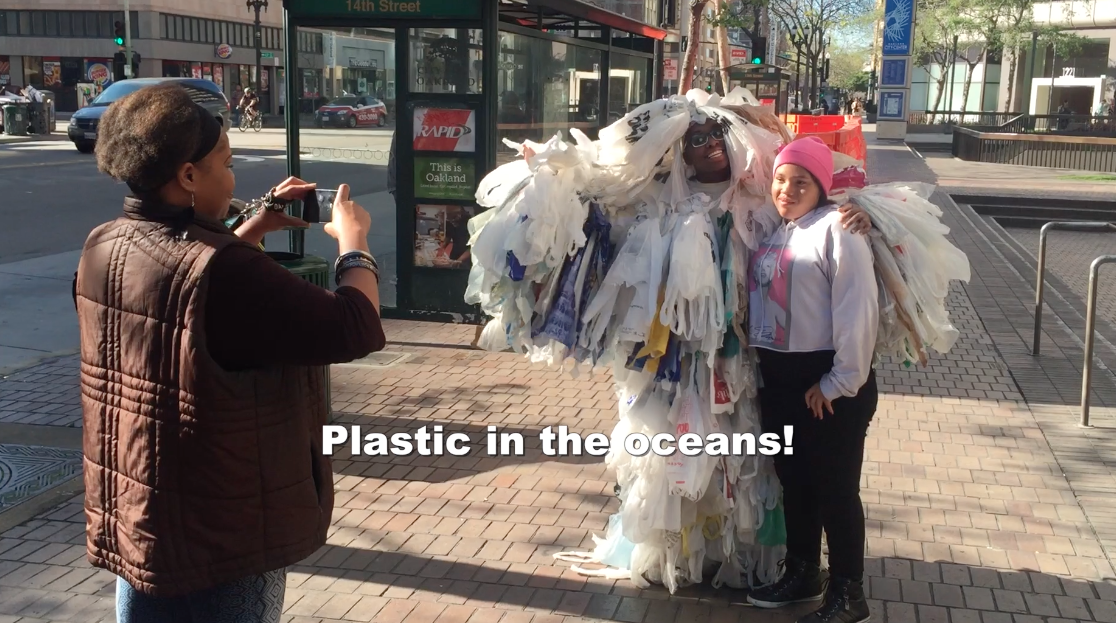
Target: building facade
[[67, 47]]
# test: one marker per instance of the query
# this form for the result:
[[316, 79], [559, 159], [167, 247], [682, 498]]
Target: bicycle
[[254, 121]]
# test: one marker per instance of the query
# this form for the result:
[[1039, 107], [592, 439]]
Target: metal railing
[[953, 117], [1088, 153], [1090, 329], [1040, 270], [1090, 303]]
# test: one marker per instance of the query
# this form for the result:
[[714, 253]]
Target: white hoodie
[[812, 287]]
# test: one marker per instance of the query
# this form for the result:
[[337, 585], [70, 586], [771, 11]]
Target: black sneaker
[[844, 603], [801, 582]]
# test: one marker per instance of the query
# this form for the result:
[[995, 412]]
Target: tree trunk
[[965, 89], [724, 58], [941, 92], [1010, 102], [697, 9]]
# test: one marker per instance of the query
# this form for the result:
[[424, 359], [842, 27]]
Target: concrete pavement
[[984, 502]]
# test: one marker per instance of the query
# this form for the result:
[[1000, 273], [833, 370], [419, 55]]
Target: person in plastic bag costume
[[676, 342]]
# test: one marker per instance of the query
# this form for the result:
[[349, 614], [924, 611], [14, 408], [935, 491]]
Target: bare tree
[[745, 15], [697, 12], [810, 24]]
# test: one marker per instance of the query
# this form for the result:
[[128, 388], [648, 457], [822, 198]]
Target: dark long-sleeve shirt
[[259, 314]]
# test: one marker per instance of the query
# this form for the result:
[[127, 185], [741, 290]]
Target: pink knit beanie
[[811, 154]]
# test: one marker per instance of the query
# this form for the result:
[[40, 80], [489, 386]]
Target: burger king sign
[[223, 51]]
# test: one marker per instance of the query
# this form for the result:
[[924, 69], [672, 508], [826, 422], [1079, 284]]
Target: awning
[[551, 13]]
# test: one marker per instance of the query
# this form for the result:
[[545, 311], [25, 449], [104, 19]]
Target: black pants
[[821, 479]]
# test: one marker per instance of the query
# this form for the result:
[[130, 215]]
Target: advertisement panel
[[52, 74], [892, 105], [893, 72], [445, 129], [898, 27], [445, 178], [98, 72], [442, 235]]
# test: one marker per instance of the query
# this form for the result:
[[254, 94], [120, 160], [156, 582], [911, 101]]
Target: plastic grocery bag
[[773, 531], [613, 551], [694, 305]]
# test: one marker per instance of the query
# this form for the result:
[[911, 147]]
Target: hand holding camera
[[348, 222]]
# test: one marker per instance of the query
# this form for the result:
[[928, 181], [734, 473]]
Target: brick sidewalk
[[970, 514], [969, 518]]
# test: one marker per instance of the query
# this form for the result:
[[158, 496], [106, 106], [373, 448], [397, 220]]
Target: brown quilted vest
[[194, 475]]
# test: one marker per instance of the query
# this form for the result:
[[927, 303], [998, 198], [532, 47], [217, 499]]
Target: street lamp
[[256, 5]]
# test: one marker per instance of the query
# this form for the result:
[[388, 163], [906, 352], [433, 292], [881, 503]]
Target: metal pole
[[1050, 95], [128, 40], [1090, 326], [952, 75], [1031, 77], [1040, 284], [259, 45]]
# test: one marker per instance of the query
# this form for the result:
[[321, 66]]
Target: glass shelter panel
[[546, 87], [347, 120], [447, 60]]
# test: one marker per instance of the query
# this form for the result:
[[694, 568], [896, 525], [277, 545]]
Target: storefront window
[[545, 87], [446, 60], [627, 84], [33, 70]]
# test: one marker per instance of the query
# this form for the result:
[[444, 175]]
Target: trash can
[[39, 115], [315, 270], [15, 119]]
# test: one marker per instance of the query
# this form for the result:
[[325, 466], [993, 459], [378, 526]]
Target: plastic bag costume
[[597, 253]]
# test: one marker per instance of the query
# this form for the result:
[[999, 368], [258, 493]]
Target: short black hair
[[143, 138]]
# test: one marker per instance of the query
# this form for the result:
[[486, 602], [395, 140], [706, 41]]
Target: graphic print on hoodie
[[771, 275]]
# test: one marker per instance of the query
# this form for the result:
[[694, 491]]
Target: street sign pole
[[127, 40]]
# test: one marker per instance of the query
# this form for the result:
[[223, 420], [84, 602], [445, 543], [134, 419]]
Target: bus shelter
[[767, 82], [434, 86]]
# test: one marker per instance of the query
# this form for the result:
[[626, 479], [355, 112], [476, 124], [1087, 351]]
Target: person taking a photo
[[203, 388]]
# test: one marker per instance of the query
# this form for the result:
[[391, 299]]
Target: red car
[[352, 111]]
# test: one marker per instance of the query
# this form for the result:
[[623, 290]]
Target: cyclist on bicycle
[[250, 103]]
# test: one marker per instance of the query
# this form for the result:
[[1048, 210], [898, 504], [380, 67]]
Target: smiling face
[[794, 191], [705, 152]]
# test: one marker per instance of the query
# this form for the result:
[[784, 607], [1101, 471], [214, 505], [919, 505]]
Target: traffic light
[[118, 67], [825, 71], [759, 50], [118, 33], [135, 63]]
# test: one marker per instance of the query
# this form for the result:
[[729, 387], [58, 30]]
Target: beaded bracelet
[[354, 259]]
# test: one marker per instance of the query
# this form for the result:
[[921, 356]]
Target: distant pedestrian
[[237, 96], [203, 396]]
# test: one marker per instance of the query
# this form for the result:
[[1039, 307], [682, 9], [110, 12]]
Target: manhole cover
[[26, 471], [382, 359]]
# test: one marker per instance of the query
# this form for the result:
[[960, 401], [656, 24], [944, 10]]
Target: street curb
[[45, 357]]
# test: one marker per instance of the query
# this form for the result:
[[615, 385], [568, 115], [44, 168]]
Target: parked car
[[352, 111], [83, 124]]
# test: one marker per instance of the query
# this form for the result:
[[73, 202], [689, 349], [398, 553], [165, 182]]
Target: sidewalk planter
[[315, 270]]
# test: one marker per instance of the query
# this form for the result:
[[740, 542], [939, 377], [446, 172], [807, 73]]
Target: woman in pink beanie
[[813, 316]]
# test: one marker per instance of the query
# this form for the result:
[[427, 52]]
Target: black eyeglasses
[[699, 140]]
